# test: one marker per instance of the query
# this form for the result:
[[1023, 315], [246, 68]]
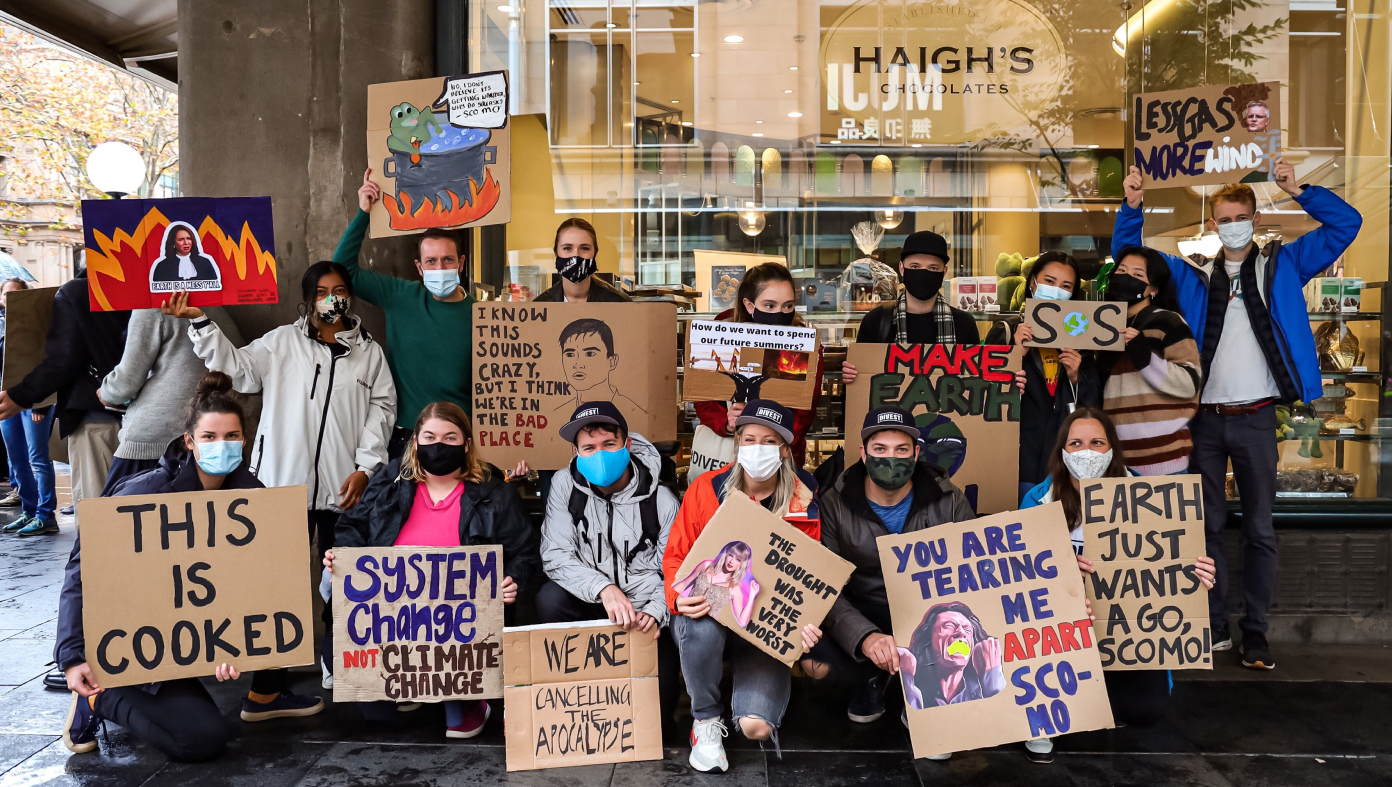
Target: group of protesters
[[152, 402]]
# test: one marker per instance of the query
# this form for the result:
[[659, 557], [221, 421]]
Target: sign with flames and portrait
[[221, 250], [440, 150]]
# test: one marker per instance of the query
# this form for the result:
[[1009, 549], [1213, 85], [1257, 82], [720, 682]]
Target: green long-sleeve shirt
[[428, 341]]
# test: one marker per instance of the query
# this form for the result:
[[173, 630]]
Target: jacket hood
[[647, 465], [353, 335], [928, 487]]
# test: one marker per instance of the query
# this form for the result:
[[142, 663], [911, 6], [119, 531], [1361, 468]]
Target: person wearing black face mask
[[577, 249], [888, 491], [766, 297], [920, 315], [440, 494]]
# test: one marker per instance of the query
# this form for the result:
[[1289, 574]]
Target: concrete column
[[273, 101]]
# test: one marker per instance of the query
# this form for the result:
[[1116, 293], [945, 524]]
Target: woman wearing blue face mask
[[1054, 382], [178, 717]]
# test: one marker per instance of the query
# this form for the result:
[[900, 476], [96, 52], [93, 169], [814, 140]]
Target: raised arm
[[247, 366], [1129, 230], [375, 288]]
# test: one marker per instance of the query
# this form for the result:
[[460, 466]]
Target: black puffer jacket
[[177, 472], [850, 527], [490, 512]]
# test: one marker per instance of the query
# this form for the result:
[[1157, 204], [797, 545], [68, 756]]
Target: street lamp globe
[[116, 169]]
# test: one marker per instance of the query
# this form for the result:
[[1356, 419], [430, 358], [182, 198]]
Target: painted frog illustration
[[411, 128]]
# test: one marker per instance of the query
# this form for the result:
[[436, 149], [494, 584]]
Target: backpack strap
[[576, 507]]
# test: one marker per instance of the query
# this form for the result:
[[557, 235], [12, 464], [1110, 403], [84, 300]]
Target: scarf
[[942, 316]]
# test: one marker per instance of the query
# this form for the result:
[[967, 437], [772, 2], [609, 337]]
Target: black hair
[[1158, 271], [1053, 258], [171, 236], [23, 285], [214, 394], [599, 426], [588, 325], [921, 641], [309, 283], [442, 234]]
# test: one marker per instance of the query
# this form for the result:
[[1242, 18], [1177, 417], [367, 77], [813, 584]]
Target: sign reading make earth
[[1081, 325], [938, 71], [1207, 135]]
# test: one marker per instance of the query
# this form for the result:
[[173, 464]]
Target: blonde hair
[[787, 478], [475, 471], [1233, 192]]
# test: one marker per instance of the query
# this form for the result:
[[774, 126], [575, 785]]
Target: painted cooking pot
[[448, 161]]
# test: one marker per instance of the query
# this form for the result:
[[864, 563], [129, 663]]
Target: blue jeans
[[26, 442], [762, 684]]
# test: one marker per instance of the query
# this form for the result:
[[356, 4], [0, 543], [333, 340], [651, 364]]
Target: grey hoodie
[[585, 560]]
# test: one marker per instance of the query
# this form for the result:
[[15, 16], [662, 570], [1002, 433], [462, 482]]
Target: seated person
[[178, 717], [887, 492], [440, 493]]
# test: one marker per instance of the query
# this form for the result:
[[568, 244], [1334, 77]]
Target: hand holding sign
[[1133, 187], [1084, 325], [1283, 173]]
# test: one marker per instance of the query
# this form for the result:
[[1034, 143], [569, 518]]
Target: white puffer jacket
[[586, 557], [322, 416]]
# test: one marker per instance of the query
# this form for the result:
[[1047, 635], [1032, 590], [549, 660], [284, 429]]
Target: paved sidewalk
[[1323, 717]]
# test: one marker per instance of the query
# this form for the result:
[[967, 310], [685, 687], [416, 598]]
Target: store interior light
[[610, 25], [759, 122], [758, 133], [695, 54], [674, 101], [1206, 244], [751, 222], [889, 218], [916, 145], [734, 39], [507, 9], [789, 90], [794, 114], [686, 122], [1151, 13], [836, 142], [792, 68], [1093, 147]]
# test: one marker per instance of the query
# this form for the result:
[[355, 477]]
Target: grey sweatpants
[[91, 448]]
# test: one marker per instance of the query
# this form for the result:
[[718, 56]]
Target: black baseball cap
[[593, 413], [926, 243], [882, 418], [766, 412]]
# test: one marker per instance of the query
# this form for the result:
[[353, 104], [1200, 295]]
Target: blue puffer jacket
[[1287, 270]]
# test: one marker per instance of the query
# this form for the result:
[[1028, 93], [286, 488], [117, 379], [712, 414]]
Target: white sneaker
[[707, 751], [409, 707], [327, 680], [1040, 750], [1223, 645]]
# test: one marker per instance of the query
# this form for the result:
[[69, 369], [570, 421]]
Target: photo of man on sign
[[950, 659]]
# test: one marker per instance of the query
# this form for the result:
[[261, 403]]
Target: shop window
[[772, 168], [852, 176], [720, 162], [696, 161], [744, 166], [939, 179], [826, 173], [671, 155], [909, 182], [881, 176]]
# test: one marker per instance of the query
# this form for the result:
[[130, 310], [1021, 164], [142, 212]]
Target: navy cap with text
[[593, 413], [883, 418], [766, 412]]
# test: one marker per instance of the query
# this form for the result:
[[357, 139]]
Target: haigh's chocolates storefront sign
[[938, 72]]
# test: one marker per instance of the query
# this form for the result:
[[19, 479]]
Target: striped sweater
[[1153, 390]]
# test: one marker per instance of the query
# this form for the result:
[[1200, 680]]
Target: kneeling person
[[887, 492]]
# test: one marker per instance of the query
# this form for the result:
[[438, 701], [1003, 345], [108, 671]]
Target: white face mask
[[1048, 292], [760, 462], [1235, 235], [1087, 463]]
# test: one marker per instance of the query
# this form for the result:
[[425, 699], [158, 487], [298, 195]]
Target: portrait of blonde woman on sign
[[725, 581]]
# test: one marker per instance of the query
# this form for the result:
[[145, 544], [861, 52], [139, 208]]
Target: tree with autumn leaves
[[55, 106]]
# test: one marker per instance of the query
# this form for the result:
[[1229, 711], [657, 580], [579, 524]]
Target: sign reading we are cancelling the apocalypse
[[938, 71]]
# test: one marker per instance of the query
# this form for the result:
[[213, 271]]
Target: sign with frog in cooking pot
[[440, 150]]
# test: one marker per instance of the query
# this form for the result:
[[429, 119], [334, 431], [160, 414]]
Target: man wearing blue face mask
[[606, 527], [1249, 318], [429, 324]]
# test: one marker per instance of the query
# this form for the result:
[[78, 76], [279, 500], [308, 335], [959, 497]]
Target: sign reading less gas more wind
[[1142, 536], [1208, 135]]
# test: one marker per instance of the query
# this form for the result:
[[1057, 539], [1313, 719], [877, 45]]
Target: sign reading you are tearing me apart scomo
[[174, 585], [1207, 135], [536, 363], [580, 694], [1143, 536], [417, 624], [1081, 325], [995, 643], [964, 402], [741, 361], [762, 577]]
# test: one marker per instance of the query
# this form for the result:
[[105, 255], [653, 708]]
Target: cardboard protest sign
[[417, 624], [1142, 536], [1082, 325], [441, 151], [995, 644], [28, 315], [221, 250], [762, 576], [580, 694], [535, 363], [741, 361], [174, 585], [1207, 135], [964, 401]]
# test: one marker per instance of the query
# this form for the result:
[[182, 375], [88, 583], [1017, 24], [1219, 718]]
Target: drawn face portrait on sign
[[589, 362], [950, 659], [724, 580], [183, 265], [1256, 116]]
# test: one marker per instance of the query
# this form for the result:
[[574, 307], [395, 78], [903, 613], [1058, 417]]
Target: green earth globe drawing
[[1075, 323]]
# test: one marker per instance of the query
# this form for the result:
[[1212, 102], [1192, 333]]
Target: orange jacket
[[700, 504]]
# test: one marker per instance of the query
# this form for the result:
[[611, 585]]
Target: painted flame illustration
[[434, 213], [792, 363], [133, 253]]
